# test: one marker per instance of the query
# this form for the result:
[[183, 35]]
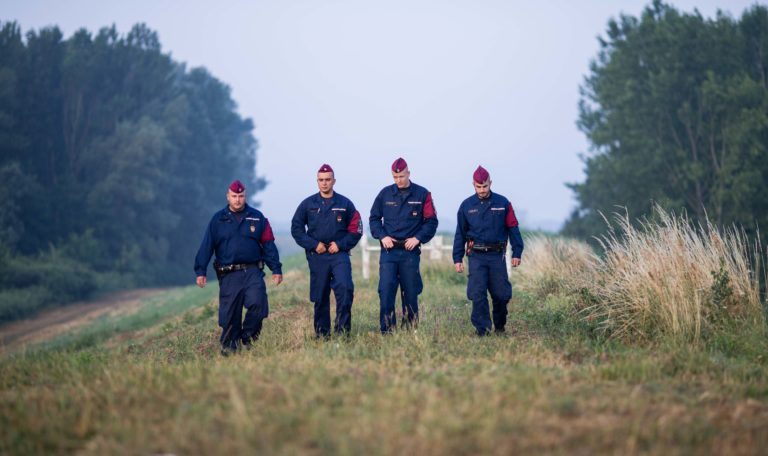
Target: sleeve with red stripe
[[510, 220], [429, 207], [355, 224], [267, 235], [429, 223]]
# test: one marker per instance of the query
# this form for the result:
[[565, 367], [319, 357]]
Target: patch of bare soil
[[51, 323]]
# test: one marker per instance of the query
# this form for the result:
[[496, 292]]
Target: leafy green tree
[[112, 158], [676, 110]]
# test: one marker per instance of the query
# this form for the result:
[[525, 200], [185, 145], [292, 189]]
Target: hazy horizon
[[446, 85]]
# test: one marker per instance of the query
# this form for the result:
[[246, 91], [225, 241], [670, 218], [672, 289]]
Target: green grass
[[153, 382], [154, 310]]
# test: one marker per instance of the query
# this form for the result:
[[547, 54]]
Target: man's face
[[402, 178], [483, 190], [325, 182], [236, 201]]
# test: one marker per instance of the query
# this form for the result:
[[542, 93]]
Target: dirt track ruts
[[52, 322]]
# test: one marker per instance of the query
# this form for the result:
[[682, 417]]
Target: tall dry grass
[[555, 265], [669, 276], [663, 277], [435, 390]]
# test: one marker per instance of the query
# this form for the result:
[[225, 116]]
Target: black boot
[[247, 342]]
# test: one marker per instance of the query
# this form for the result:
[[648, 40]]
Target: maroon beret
[[236, 186], [326, 168], [481, 175], [399, 165]]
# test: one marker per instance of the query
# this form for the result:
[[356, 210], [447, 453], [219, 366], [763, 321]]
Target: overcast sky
[[445, 84]]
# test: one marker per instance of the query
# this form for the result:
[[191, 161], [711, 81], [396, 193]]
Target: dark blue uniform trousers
[[328, 272], [240, 289], [399, 267], [488, 272]]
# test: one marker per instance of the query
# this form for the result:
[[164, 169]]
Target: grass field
[[153, 383]]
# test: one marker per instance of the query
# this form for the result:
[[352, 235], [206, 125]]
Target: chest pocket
[[340, 217], [252, 227], [313, 213], [497, 212], [253, 230], [415, 209], [390, 209], [225, 228]]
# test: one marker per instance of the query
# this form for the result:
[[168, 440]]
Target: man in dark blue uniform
[[328, 226], [243, 242], [485, 221], [402, 218]]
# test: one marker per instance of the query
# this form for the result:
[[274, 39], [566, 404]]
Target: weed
[[153, 382], [669, 278]]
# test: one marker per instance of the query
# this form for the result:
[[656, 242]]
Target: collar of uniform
[[247, 210], [407, 191], [319, 198], [490, 197]]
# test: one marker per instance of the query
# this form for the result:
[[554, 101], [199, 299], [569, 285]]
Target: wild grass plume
[[152, 381], [667, 276], [555, 265]]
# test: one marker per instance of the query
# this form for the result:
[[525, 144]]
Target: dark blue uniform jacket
[[486, 221], [333, 220], [249, 241], [402, 215]]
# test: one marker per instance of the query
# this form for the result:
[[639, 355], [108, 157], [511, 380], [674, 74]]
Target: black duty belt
[[489, 248], [397, 244], [222, 270]]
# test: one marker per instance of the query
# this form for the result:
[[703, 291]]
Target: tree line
[[675, 108], [112, 157]]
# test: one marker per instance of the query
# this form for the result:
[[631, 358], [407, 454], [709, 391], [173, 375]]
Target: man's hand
[[411, 243], [333, 248], [459, 267], [320, 248], [387, 242], [515, 262], [277, 279], [201, 281]]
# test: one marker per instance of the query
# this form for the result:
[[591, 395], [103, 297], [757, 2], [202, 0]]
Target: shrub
[[555, 265], [32, 283], [669, 277], [18, 303]]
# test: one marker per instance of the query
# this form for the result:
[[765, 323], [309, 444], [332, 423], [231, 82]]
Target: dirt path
[[57, 321]]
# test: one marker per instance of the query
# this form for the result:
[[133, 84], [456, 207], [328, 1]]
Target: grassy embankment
[[581, 375]]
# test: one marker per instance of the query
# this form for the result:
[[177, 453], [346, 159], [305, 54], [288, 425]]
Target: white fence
[[435, 247]]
